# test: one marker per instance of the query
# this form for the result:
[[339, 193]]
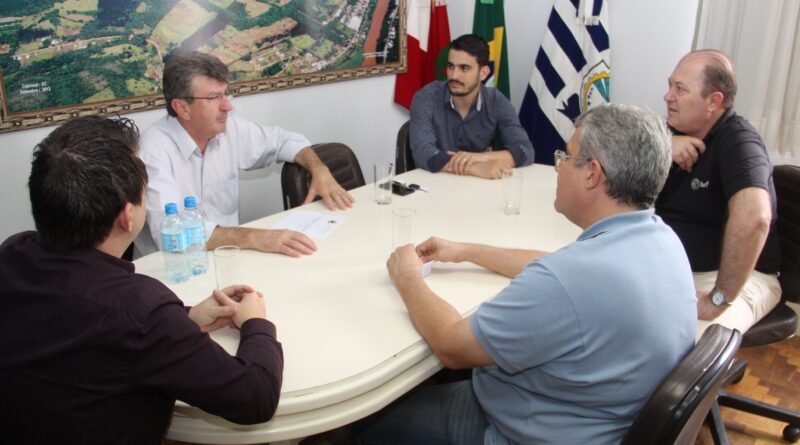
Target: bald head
[[719, 74]]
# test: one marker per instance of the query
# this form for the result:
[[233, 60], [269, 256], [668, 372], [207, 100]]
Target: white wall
[[647, 38]]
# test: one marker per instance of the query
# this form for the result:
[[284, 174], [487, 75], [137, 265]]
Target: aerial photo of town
[[59, 53]]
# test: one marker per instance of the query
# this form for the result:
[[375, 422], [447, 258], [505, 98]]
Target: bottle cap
[[170, 208], [189, 202]]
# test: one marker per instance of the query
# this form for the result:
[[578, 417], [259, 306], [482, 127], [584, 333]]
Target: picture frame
[[62, 59]]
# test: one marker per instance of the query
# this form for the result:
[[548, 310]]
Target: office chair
[[781, 323], [677, 408], [128, 254], [340, 160], [404, 161]]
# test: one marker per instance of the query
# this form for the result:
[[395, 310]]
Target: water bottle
[[195, 226], [173, 241]]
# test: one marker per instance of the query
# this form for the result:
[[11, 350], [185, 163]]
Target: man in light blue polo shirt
[[570, 351]]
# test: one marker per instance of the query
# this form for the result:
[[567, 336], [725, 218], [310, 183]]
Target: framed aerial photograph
[[66, 58]]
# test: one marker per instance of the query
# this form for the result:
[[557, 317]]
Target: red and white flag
[[427, 40]]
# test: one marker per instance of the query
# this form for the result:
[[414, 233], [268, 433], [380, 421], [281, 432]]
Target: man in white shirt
[[198, 150]]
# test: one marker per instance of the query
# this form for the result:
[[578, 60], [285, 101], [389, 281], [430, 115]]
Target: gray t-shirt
[[581, 337]]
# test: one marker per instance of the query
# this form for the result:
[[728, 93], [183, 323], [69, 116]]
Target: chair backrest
[[787, 188], [340, 160], [128, 254], [781, 322], [678, 407], [404, 161]]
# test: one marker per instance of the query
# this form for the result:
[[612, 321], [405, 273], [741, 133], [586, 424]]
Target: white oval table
[[349, 347]]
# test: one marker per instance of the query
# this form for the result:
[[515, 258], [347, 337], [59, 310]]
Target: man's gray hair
[[181, 68], [633, 147]]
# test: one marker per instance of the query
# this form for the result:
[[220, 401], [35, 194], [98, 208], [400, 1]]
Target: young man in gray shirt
[[454, 122]]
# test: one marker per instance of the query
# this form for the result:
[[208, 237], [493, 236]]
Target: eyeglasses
[[216, 97], [561, 156]]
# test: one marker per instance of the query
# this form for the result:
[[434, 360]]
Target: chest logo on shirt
[[698, 184]]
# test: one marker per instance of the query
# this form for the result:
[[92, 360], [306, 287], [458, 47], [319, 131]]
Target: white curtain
[[763, 39]]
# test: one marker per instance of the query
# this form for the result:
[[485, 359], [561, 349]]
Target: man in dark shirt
[[90, 351], [719, 196], [454, 122]]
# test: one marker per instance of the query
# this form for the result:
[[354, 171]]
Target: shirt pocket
[[222, 196]]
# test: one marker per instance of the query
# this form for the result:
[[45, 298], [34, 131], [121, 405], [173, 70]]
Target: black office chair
[[128, 254], [781, 323], [340, 160], [404, 161], [678, 407]]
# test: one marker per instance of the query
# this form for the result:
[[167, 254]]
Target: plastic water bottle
[[195, 226], [173, 241]]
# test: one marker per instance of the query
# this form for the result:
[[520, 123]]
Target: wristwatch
[[719, 299]]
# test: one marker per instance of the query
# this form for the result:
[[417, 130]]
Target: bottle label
[[174, 242], [196, 235]]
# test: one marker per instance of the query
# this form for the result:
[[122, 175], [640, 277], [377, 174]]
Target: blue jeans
[[440, 414]]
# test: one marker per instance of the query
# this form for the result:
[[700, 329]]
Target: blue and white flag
[[571, 74]]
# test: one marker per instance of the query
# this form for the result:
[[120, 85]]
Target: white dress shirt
[[176, 169]]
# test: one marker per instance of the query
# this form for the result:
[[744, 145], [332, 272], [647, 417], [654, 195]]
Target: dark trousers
[[439, 414]]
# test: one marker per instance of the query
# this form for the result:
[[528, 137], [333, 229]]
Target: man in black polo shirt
[[719, 196], [92, 352]]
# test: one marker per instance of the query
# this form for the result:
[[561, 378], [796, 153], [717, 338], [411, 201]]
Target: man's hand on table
[[404, 264], [461, 161], [230, 306], [287, 242], [487, 165], [251, 305], [438, 249]]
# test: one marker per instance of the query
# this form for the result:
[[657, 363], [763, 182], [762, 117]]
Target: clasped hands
[[482, 165], [230, 306], [406, 261]]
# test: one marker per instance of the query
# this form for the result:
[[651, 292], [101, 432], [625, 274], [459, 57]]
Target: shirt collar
[[36, 238], [714, 128], [617, 221], [729, 113], [448, 98], [186, 145]]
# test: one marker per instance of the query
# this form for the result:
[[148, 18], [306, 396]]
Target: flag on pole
[[572, 73], [489, 22], [427, 42]]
